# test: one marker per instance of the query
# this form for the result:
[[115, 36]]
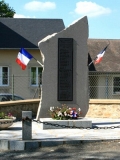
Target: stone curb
[[19, 145]]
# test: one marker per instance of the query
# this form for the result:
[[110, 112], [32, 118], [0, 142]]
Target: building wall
[[8, 58]]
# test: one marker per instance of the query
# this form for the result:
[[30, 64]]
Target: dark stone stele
[[65, 69]]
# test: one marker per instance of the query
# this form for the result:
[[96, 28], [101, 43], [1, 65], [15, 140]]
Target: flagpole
[[38, 61], [91, 62], [96, 57]]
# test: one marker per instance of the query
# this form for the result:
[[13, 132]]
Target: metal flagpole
[[91, 62], [96, 57], [38, 62]]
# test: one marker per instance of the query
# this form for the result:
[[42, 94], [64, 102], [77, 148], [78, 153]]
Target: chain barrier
[[64, 126], [12, 121], [74, 127]]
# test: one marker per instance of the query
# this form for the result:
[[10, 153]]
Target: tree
[[6, 10]]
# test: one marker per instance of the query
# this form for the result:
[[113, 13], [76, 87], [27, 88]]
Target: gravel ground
[[106, 150]]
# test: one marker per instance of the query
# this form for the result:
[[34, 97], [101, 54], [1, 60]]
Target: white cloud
[[39, 6], [90, 9], [22, 16]]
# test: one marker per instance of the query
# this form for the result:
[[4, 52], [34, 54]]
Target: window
[[116, 85], [36, 76], [4, 78]]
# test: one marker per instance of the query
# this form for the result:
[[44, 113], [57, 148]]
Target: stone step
[[49, 123]]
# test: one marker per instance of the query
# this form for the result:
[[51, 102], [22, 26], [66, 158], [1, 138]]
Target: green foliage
[[2, 115], [6, 10], [5, 116]]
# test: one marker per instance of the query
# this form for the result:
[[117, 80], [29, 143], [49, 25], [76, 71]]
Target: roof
[[26, 33], [111, 58]]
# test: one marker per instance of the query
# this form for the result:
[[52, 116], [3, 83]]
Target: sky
[[103, 15]]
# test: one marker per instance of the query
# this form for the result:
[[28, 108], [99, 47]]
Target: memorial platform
[[49, 123], [11, 138]]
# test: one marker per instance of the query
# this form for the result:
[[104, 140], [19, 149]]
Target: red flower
[[74, 109]]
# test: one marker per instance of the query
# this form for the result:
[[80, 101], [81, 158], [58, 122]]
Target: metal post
[[106, 80], [13, 87], [26, 125]]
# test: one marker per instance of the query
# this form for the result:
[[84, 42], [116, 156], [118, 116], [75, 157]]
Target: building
[[16, 33], [104, 78]]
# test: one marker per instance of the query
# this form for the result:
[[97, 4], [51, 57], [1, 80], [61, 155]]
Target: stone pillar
[[26, 125], [49, 48]]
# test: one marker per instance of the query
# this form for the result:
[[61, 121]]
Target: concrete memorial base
[[80, 122]]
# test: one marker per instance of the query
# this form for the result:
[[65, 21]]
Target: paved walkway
[[61, 136]]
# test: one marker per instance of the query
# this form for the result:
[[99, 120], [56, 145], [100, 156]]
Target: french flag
[[23, 58], [100, 55]]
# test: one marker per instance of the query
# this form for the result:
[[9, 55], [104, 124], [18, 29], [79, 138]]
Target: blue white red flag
[[100, 56], [23, 58]]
